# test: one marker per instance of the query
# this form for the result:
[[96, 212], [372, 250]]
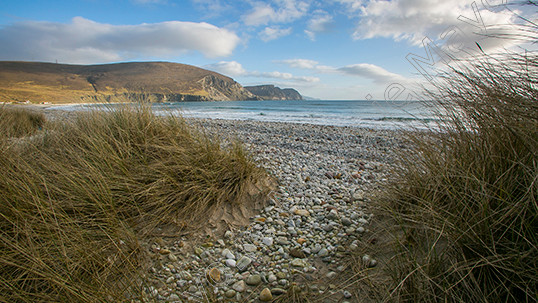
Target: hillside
[[271, 92], [151, 81]]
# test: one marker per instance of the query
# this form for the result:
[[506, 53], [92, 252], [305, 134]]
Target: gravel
[[312, 221]]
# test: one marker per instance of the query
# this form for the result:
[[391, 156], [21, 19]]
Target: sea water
[[358, 113]]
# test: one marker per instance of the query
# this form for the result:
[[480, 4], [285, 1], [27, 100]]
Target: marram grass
[[77, 198], [18, 122], [465, 198]]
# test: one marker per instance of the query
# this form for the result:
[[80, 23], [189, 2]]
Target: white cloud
[[300, 63], [86, 41], [275, 32], [233, 68], [228, 68], [371, 71], [320, 23], [413, 20], [286, 11], [364, 70], [260, 15], [285, 76], [308, 64]]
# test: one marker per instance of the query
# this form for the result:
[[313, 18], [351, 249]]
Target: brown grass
[[18, 122], [77, 198], [464, 209]]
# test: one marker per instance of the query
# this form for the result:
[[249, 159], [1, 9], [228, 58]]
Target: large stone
[[333, 214], [299, 263], [346, 221], [214, 275], [297, 253], [230, 293], [231, 263], [239, 286], [253, 280], [250, 247], [282, 241], [272, 278], [267, 241], [243, 263], [265, 295], [323, 253], [302, 212], [278, 291]]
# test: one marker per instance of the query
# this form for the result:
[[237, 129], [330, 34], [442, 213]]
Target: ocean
[[354, 113]]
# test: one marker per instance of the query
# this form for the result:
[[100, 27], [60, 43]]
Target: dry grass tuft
[[18, 122], [76, 200], [465, 201]]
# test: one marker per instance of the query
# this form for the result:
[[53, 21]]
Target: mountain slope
[[271, 92], [149, 81]]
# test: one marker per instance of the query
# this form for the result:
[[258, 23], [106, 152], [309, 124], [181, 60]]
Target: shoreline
[[315, 218], [319, 212], [393, 121]]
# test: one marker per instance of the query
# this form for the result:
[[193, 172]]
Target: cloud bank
[[235, 69], [363, 70], [413, 20], [86, 41], [286, 11]]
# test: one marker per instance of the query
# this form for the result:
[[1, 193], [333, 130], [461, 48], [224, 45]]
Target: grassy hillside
[[156, 81]]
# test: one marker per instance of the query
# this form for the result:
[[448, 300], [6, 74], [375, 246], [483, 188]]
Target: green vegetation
[[464, 205], [79, 196]]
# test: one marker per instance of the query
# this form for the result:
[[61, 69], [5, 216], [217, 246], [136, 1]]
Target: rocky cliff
[[271, 92], [134, 81]]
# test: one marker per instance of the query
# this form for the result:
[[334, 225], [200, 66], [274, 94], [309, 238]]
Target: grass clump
[[77, 200], [465, 202], [18, 122]]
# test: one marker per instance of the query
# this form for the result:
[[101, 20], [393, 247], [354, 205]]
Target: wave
[[404, 119]]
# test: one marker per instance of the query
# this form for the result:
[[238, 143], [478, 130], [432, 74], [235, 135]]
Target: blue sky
[[332, 49]]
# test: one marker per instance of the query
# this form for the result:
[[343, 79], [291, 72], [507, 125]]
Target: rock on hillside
[[133, 81], [271, 92]]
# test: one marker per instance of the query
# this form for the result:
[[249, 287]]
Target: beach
[[316, 214], [319, 210]]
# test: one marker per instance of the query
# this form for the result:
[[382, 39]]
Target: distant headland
[[38, 82]]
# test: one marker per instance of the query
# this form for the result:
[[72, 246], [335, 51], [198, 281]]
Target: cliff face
[[220, 89], [271, 92], [134, 81]]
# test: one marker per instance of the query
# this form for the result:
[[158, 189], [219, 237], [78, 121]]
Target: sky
[[330, 49]]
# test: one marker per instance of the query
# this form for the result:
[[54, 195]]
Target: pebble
[[297, 253], [164, 251], [250, 247], [230, 293], [278, 291], [271, 278], [243, 263], [299, 263], [318, 210], [230, 263], [267, 241], [214, 275], [265, 295], [323, 253], [253, 280], [239, 286]]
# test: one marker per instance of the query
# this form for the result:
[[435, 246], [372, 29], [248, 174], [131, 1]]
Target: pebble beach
[[314, 218]]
